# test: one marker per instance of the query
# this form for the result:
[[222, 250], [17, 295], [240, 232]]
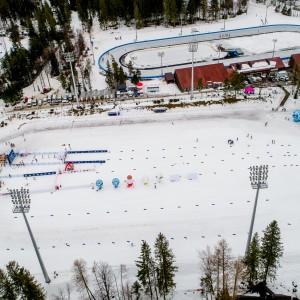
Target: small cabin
[[169, 78]]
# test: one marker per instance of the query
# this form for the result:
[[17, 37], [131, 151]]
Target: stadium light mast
[[21, 201], [180, 24], [219, 48], [161, 55], [258, 178], [274, 41], [92, 43], [193, 47], [69, 57], [266, 17]]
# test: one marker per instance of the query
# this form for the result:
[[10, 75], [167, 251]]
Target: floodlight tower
[[274, 41], [193, 47], [161, 55], [21, 201], [258, 178], [69, 57]]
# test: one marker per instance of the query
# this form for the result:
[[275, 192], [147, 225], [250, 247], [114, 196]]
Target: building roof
[[169, 77], [279, 62], [259, 65], [209, 74], [296, 59]]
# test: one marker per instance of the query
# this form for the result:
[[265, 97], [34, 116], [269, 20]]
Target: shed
[[169, 77], [295, 61], [3, 159], [122, 87]]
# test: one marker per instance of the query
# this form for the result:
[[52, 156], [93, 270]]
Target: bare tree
[[224, 258], [125, 284], [63, 294], [80, 277], [87, 72], [207, 268], [104, 277], [239, 270]]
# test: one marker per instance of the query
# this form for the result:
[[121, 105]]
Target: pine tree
[[136, 289], [236, 81], [109, 75], [253, 260], [115, 70], [17, 283], [173, 12], [137, 15], [200, 83], [122, 75], [54, 63], [12, 93], [80, 43], [203, 8], [136, 77], [103, 14], [50, 21], [167, 11], [165, 268], [271, 251], [146, 270], [130, 68], [214, 8]]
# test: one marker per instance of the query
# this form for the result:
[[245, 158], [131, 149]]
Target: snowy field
[[79, 222]]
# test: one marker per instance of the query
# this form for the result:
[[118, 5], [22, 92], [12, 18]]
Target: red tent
[[139, 85]]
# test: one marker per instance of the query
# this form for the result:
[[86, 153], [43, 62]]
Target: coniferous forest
[[46, 25]]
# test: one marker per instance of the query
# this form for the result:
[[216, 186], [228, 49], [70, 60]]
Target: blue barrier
[[87, 151], [39, 174], [11, 156], [86, 162]]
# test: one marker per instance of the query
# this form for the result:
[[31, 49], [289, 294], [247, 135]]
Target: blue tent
[[296, 115], [99, 184], [116, 182]]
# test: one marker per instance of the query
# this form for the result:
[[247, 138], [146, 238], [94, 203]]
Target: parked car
[[250, 80], [256, 78], [282, 75], [18, 107]]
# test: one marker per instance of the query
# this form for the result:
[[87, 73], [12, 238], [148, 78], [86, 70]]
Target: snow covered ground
[[109, 225]]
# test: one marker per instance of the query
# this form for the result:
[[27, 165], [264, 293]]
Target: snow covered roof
[[245, 67], [260, 64]]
